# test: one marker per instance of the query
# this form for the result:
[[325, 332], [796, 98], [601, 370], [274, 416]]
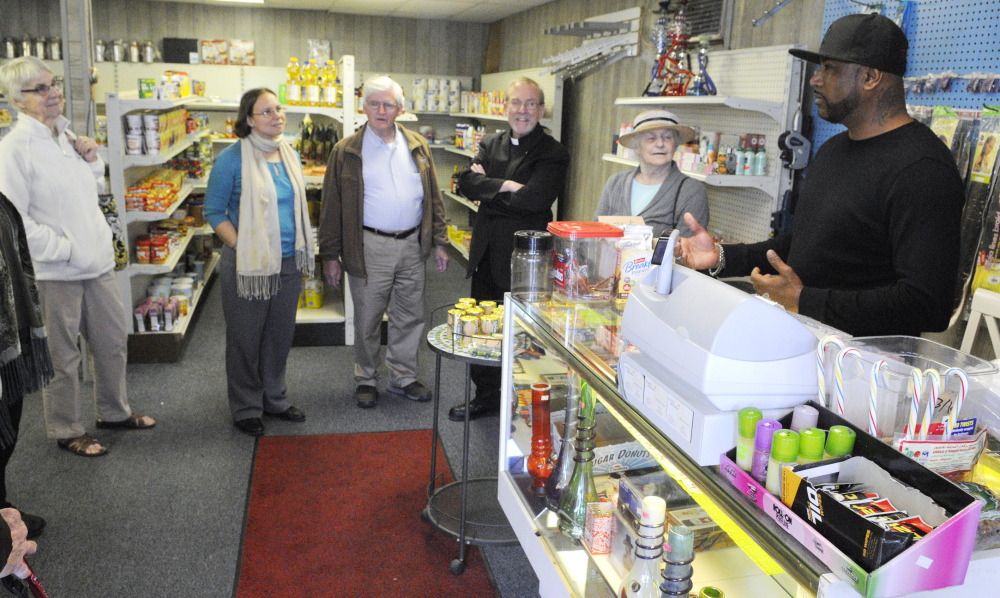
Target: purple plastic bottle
[[762, 448]]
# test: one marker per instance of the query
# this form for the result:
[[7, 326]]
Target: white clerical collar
[[515, 141]]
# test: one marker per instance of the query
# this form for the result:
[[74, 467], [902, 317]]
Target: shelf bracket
[[608, 38]]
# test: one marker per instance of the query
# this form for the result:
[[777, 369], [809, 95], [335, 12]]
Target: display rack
[[764, 95], [762, 562], [331, 324]]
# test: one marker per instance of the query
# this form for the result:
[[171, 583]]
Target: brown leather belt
[[399, 235]]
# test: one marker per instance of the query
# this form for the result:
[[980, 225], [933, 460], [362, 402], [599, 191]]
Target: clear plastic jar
[[529, 266]]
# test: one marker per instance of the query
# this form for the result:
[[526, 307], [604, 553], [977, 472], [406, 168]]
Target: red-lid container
[[583, 229], [583, 261]]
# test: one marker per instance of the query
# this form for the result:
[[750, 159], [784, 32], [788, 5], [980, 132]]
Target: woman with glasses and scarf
[[256, 202], [53, 178]]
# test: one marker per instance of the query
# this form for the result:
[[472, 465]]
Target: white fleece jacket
[[56, 190]]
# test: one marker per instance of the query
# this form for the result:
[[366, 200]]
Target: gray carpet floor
[[162, 514]]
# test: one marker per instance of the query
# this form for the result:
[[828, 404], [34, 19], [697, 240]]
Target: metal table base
[[467, 510]]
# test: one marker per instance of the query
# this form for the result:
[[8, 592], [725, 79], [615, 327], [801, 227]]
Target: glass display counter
[[570, 347]]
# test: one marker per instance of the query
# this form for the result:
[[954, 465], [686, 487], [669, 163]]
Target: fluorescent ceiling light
[[243, 1]]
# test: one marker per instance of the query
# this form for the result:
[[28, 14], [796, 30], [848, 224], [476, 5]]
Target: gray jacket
[[677, 194]]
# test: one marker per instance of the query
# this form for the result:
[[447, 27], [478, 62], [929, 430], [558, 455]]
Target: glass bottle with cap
[[839, 442], [529, 266]]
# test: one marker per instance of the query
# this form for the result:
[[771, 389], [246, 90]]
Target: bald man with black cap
[[874, 247]]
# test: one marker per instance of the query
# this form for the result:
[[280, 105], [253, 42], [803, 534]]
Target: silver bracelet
[[721, 265]]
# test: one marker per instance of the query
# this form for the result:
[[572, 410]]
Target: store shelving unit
[[125, 170], [331, 324], [764, 94]]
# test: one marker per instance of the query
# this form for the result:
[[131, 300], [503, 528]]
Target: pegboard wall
[[945, 35]]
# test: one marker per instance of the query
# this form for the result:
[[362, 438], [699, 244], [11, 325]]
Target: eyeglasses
[[389, 106], [270, 112], [530, 104], [43, 89]]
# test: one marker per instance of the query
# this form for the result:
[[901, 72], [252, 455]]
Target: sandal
[[132, 422], [81, 444]]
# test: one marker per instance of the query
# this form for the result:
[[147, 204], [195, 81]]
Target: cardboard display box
[[940, 559]]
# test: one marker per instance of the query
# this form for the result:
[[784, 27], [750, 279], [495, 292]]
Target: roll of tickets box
[[838, 371], [956, 406], [820, 369]]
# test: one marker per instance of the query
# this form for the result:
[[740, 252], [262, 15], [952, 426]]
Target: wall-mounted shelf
[[150, 216], [772, 109], [462, 251], [457, 150], [175, 256], [767, 184]]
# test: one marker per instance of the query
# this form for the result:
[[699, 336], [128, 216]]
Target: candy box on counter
[[939, 559]]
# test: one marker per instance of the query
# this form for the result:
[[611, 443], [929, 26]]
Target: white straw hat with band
[[656, 119]]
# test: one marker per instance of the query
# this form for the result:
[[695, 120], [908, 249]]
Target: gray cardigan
[[664, 212]]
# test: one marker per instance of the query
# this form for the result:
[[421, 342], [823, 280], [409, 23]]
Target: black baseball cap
[[867, 39]]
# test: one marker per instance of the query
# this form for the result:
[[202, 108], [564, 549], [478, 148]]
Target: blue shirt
[[225, 183], [641, 196], [394, 193]]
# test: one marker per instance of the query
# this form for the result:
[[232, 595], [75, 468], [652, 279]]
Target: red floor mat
[[339, 515]]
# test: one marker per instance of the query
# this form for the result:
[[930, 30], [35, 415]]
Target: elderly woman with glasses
[[256, 202], [53, 178], [656, 190]]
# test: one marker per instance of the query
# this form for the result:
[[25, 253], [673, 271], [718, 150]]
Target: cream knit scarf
[[258, 252]]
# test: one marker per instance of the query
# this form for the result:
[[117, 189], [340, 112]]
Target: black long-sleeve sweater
[[876, 234]]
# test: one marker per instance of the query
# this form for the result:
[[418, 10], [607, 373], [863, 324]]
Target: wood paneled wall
[[377, 43], [590, 118]]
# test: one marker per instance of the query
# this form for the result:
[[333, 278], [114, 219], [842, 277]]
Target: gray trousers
[[395, 284], [258, 338], [94, 309]]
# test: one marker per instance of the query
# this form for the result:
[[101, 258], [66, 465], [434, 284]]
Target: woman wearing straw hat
[[656, 190]]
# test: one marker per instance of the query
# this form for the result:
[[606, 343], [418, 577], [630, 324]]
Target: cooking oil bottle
[[329, 82], [310, 81], [293, 87]]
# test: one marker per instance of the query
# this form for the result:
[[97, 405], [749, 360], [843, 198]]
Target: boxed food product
[[241, 52], [635, 485], [937, 560], [214, 51], [616, 449]]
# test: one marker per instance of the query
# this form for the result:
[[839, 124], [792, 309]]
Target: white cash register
[[706, 349]]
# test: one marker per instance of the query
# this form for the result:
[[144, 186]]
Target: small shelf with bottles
[[767, 183]]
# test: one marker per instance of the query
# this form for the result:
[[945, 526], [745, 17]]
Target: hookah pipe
[[671, 66]]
